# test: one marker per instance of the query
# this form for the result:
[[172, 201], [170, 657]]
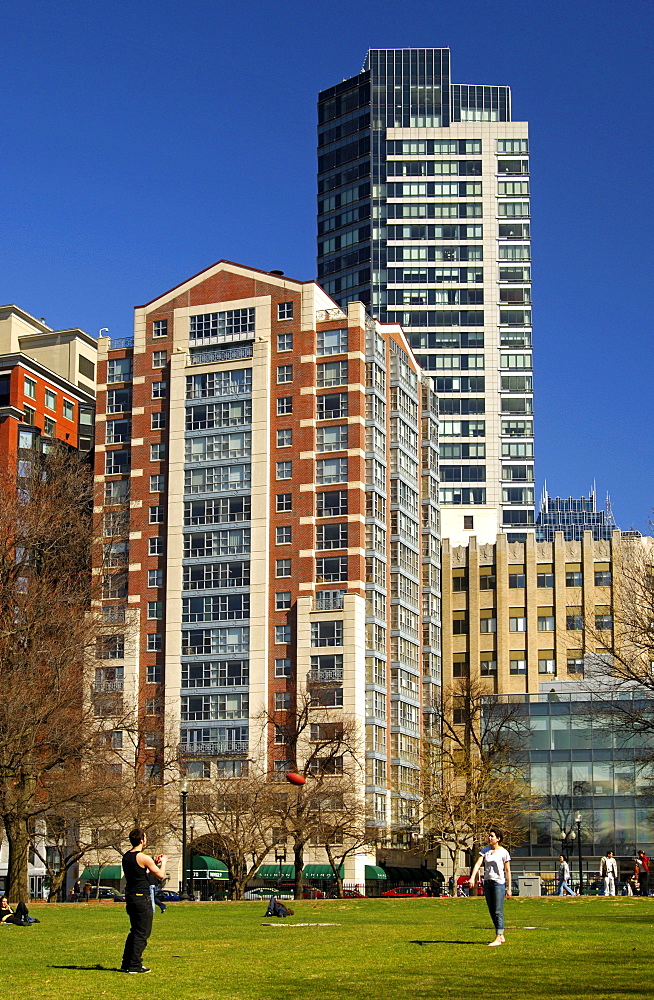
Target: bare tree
[[238, 815], [342, 827], [327, 751], [474, 769]]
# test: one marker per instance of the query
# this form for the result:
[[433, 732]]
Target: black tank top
[[135, 876]]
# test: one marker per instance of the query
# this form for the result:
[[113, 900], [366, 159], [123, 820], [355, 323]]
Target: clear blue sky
[[144, 141]]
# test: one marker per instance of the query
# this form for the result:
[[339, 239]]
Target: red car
[[404, 892]]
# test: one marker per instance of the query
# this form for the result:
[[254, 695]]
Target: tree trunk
[[17, 869], [298, 858]]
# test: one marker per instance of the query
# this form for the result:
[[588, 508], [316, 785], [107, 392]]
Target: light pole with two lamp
[[183, 892], [280, 858], [581, 873]]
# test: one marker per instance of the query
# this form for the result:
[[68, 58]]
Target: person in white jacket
[[609, 872]]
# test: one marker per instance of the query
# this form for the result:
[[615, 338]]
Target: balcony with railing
[[222, 748], [216, 356], [330, 675], [120, 343], [328, 600]]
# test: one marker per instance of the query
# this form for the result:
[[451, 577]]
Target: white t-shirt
[[494, 863]]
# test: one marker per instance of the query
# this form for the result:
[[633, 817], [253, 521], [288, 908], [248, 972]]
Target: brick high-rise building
[[279, 456]]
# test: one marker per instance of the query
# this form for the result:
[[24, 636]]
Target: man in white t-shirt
[[497, 880], [609, 872]]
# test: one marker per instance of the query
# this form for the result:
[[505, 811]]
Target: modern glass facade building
[[423, 215], [572, 516]]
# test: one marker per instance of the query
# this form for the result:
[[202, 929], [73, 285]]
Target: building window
[[157, 452], [332, 406], [575, 665], [546, 623], [284, 438], [547, 665], [574, 578], [545, 579], [487, 581], [468, 522], [158, 390], [331, 536], [155, 578], [119, 370], [156, 514], [602, 578], [159, 359], [488, 668], [284, 405], [516, 581], [517, 666], [332, 341], [153, 673], [29, 414], [331, 470], [284, 310], [224, 325], [160, 328], [332, 438], [331, 504], [29, 388], [603, 620], [49, 427], [284, 374], [574, 622], [487, 625], [155, 546], [330, 568], [282, 600], [459, 582], [157, 421], [282, 567], [285, 342], [330, 373], [154, 642], [284, 470], [517, 624], [51, 400], [282, 633], [157, 483], [116, 463], [283, 535], [327, 633], [282, 701], [155, 609], [283, 667], [283, 502]]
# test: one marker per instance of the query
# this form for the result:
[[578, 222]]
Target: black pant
[[139, 911], [643, 883], [20, 915]]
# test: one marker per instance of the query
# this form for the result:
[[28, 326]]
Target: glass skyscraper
[[423, 215]]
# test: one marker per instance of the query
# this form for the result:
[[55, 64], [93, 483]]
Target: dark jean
[[139, 911], [494, 893]]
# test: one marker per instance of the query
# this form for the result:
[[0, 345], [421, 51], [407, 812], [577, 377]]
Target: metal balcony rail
[[214, 749], [214, 357]]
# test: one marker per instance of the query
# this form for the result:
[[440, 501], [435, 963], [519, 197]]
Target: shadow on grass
[[88, 968], [446, 941]]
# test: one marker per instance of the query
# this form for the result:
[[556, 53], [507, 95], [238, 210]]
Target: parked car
[[106, 892], [351, 894], [405, 892], [266, 892], [169, 896]]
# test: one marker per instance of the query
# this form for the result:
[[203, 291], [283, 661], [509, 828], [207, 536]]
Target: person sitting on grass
[[21, 917]]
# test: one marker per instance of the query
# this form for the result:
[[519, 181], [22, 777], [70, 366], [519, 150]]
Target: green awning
[[206, 866], [319, 871], [272, 871], [106, 871], [375, 873]]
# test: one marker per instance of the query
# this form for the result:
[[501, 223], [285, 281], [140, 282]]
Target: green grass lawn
[[378, 949]]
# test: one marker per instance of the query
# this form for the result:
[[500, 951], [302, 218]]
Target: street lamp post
[[183, 894], [191, 888], [581, 874], [280, 858]]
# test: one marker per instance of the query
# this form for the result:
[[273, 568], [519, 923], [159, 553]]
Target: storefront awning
[[272, 871], [204, 866], [374, 873], [106, 871], [319, 871]]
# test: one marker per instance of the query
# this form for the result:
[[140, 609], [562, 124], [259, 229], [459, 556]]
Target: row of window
[[443, 147], [545, 578], [545, 623], [50, 398]]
